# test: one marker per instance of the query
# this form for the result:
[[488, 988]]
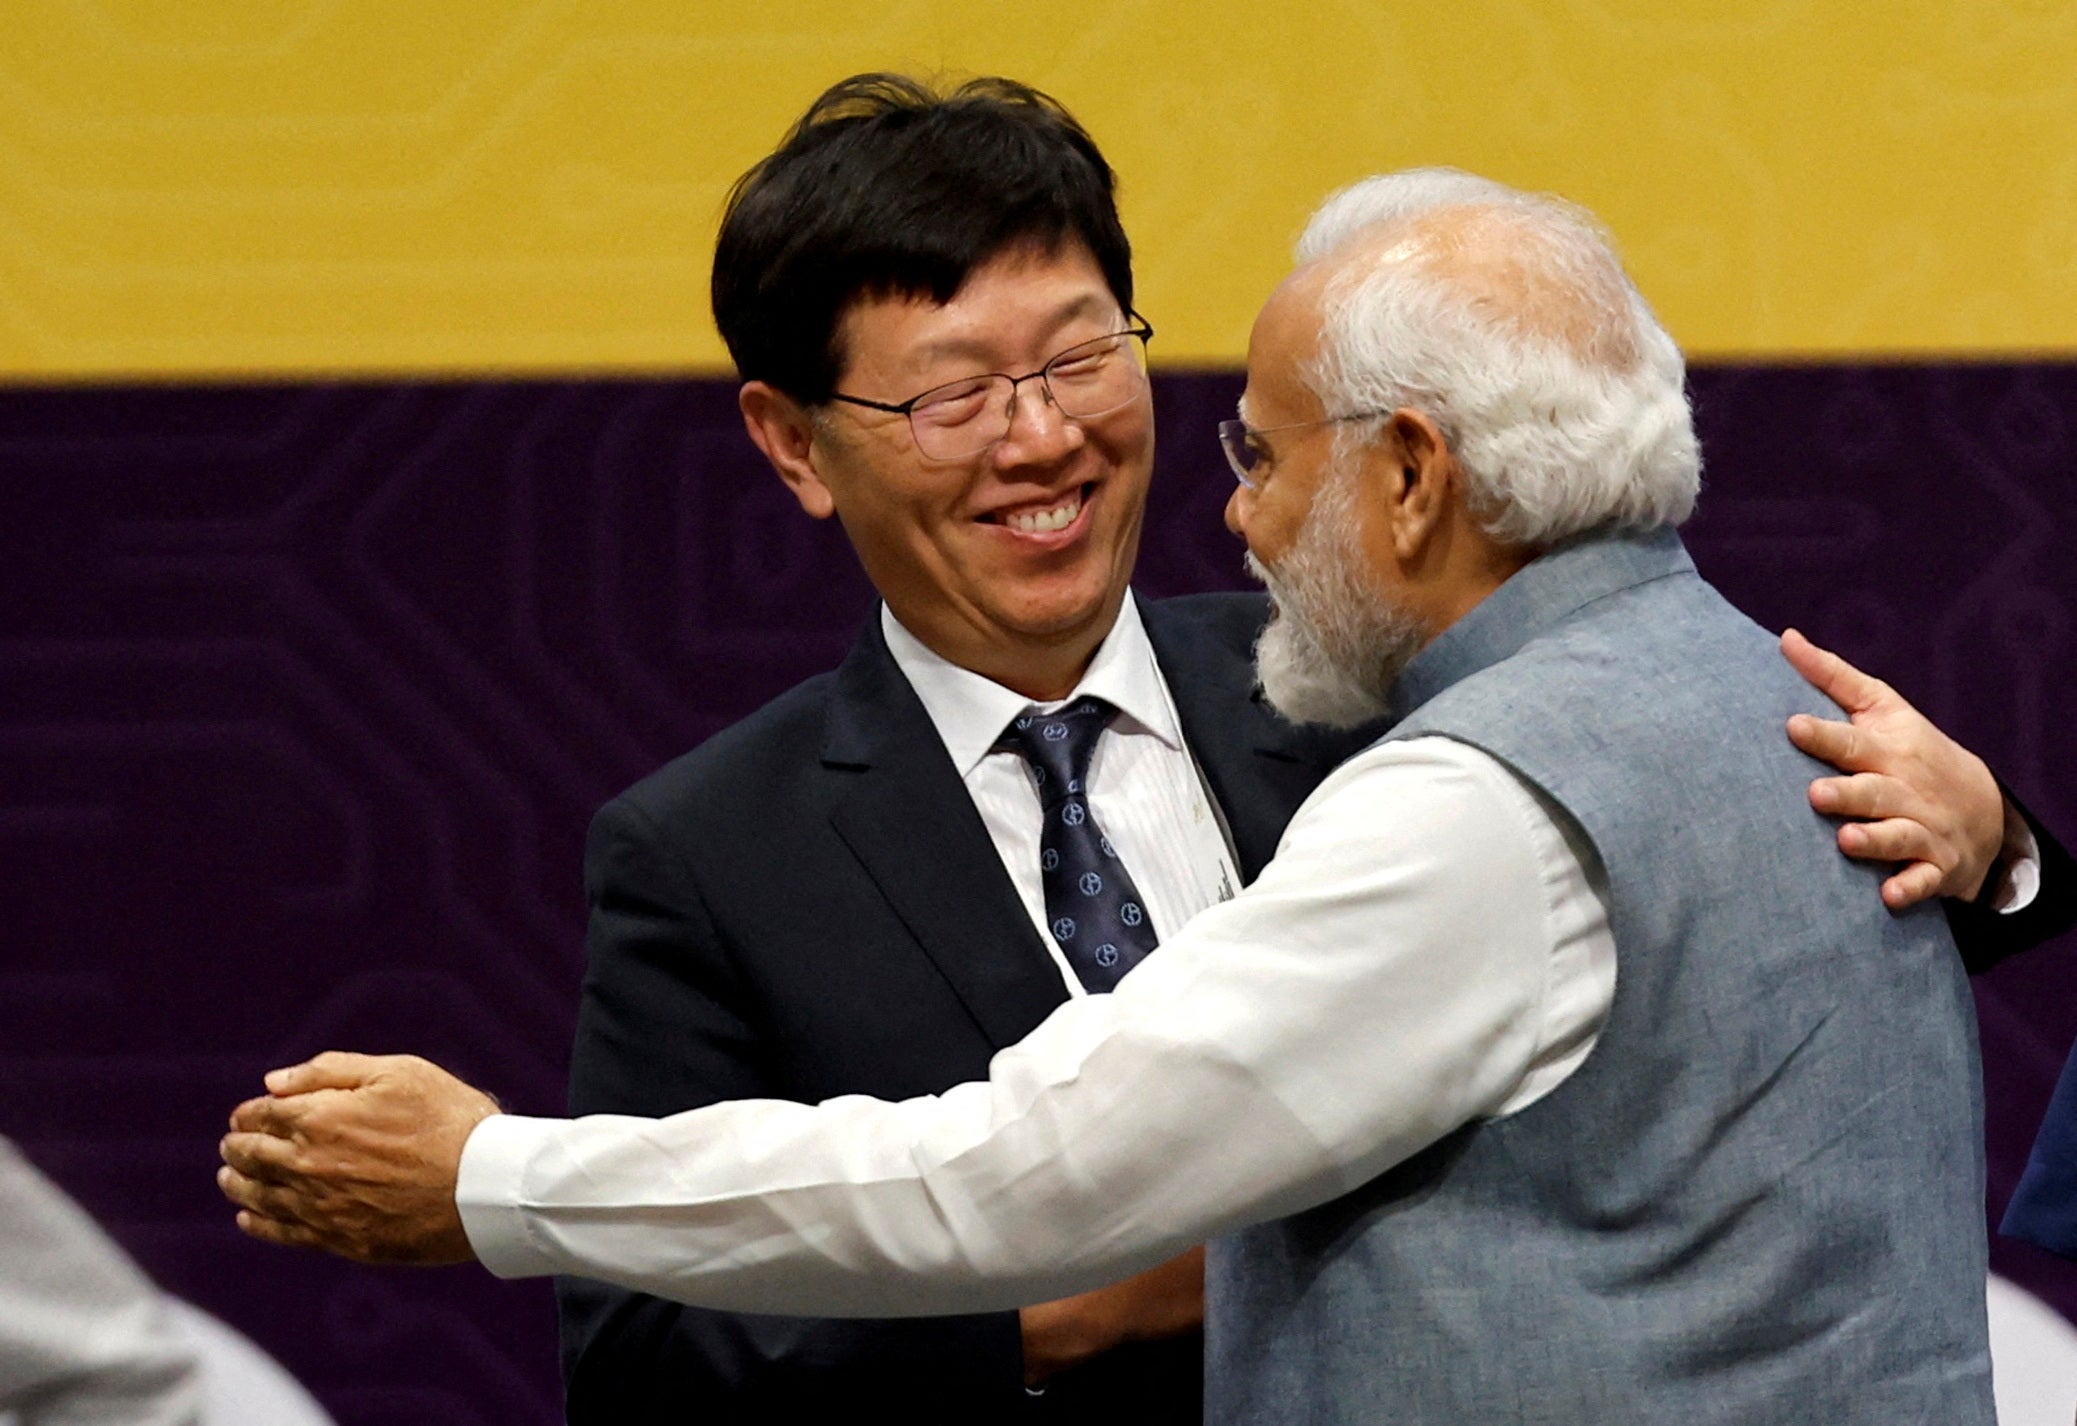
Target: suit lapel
[[911, 823]]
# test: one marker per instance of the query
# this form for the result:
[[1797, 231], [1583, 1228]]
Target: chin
[[1331, 651], [1063, 605], [1305, 685]]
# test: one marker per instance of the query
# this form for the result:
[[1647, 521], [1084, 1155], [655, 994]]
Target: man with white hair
[[1552, 1072], [1761, 1197]]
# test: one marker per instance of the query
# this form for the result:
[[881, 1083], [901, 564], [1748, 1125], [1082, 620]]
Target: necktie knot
[[1059, 745]]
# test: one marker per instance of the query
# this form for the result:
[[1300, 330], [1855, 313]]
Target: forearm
[[934, 1207], [1362, 999], [1059, 1175]]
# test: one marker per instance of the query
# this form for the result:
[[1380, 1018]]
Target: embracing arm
[[1913, 796], [1384, 981]]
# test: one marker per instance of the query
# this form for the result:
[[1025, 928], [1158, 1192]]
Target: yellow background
[[221, 187]]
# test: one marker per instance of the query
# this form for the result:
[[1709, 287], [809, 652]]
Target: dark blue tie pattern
[[1095, 910]]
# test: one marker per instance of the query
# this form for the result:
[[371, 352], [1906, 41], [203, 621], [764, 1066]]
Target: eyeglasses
[[1245, 450], [964, 418]]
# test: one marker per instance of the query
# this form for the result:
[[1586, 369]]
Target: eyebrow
[[976, 349]]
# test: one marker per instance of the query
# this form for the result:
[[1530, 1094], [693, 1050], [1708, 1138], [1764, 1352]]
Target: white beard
[[1333, 646]]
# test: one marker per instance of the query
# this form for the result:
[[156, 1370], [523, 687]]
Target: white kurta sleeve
[[1388, 978]]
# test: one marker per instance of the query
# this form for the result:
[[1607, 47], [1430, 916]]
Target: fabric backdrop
[[307, 692]]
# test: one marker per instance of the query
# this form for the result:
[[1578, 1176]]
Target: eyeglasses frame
[[1141, 329], [1233, 431]]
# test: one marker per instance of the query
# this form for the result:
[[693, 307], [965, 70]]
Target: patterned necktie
[[1096, 912]]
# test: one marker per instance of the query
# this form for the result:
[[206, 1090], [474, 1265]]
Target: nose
[[1040, 436], [1236, 519]]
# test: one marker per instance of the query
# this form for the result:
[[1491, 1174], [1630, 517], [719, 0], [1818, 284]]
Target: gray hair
[[1561, 396]]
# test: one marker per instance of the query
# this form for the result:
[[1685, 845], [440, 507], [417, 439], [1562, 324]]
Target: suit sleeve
[[2043, 1209], [1986, 937], [667, 1023]]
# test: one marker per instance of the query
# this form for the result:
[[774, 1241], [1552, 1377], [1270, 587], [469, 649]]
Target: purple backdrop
[[307, 693]]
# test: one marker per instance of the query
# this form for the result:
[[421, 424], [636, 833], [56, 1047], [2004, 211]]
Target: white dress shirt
[[1430, 946], [1144, 787]]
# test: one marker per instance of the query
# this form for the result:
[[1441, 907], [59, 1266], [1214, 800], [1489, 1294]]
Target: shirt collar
[[970, 711]]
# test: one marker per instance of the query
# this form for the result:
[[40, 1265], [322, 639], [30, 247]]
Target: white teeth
[[1034, 522]]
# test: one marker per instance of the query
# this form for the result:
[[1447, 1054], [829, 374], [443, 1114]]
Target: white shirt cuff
[[488, 1193], [2022, 858]]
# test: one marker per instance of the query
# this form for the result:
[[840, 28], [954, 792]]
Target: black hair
[[887, 188]]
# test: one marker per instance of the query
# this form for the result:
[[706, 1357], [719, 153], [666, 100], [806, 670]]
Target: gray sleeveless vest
[[1760, 1200]]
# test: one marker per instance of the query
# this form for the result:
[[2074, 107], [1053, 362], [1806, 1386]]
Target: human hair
[[890, 188], [1508, 319]]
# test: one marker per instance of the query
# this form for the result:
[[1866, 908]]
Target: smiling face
[[1012, 562]]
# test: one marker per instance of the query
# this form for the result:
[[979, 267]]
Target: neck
[[1042, 669], [1048, 684], [1498, 566], [1474, 570]]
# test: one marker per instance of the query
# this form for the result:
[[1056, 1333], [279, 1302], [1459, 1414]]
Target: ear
[[782, 428], [1419, 479]]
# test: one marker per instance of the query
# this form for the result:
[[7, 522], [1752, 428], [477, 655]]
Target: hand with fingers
[[1911, 794], [1166, 1301], [356, 1155]]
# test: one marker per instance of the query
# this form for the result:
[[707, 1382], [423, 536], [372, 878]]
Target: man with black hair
[[888, 875], [845, 893]]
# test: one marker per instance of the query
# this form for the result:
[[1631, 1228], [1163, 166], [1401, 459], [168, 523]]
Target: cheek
[[897, 542], [892, 508], [1125, 440], [1268, 523]]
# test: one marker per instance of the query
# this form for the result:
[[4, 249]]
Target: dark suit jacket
[[1986, 937], [808, 905], [2044, 1206]]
